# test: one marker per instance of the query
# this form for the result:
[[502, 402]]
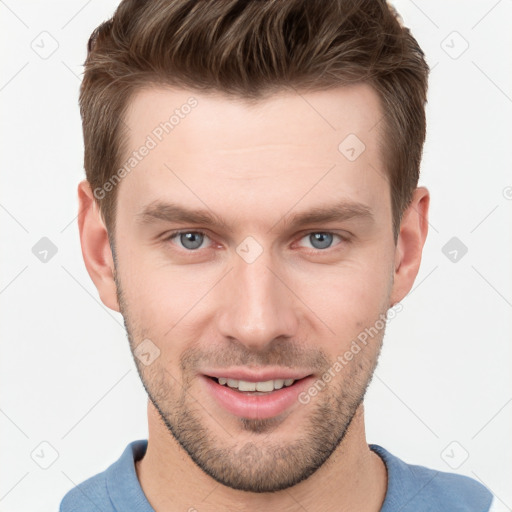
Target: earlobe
[[96, 249], [409, 248]]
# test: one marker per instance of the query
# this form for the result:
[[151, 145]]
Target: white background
[[442, 390]]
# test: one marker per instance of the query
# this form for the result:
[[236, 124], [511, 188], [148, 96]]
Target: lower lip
[[256, 406]]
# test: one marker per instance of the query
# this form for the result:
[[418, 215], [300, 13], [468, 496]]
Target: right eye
[[189, 240]]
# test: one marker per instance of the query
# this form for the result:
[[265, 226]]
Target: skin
[[297, 305]]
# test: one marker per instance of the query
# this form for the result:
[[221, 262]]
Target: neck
[[353, 478]]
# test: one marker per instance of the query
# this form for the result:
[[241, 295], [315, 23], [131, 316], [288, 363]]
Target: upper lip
[[262, 375]]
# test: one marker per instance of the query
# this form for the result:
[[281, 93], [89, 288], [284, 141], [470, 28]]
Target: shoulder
[[100, 491], [92, 494], [417, 488]]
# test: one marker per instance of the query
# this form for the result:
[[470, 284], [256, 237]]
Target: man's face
[[259, 296]]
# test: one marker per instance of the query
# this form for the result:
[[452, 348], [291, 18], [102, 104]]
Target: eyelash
[[174, 234]]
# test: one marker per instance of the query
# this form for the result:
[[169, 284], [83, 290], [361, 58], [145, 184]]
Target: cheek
[[166, 302], [158, 302], [348, 298]]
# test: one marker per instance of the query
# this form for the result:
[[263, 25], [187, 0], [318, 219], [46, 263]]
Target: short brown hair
[[250, 48]]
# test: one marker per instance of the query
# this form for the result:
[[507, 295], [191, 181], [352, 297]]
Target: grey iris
[[323, 240], [191, 240]]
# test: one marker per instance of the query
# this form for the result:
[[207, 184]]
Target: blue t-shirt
[[410, 488]]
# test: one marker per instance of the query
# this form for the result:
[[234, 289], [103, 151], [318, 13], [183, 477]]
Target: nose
[[256, 304]]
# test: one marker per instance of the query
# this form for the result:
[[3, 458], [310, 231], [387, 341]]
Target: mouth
[[256, 399]]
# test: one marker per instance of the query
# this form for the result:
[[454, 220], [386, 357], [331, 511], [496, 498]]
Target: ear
[[409, 247], [96, 250]]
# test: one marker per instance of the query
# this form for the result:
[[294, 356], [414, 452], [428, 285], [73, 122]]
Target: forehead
[[285, 116], [223, 152]]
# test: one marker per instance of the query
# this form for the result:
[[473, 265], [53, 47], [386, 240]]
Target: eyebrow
[[172, 212]]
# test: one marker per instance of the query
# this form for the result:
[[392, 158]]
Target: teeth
[[264, 387], [246, 386], [279, 383]]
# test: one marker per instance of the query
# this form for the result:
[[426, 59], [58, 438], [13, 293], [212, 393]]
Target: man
[[251, 208]]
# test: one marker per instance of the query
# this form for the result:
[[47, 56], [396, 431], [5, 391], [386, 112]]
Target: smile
[[264, 387], [256, 400]]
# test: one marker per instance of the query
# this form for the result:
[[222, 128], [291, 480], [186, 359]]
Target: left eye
[[321, 239]]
